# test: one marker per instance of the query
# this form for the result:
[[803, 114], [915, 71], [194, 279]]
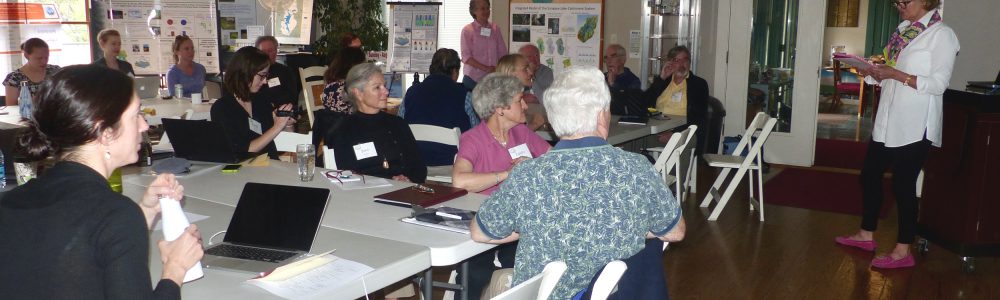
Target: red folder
[[412, 195]]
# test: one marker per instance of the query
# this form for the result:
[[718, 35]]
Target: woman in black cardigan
[[66, 234], [371, 141]]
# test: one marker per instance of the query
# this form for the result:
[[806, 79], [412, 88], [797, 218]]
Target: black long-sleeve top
[[67, 235], [236, 122], [394, 145]]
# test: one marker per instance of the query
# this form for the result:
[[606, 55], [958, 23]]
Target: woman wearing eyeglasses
[[250, 125], [919, 56]]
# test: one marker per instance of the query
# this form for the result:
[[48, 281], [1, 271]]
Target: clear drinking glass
[[305, 156]]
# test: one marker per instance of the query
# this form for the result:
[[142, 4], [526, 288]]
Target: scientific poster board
[[413, 36], [147, 34], [566, 32], [21, 21], [292, 23], [234, 17]]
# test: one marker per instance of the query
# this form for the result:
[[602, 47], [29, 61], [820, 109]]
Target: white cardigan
[[904, 113]]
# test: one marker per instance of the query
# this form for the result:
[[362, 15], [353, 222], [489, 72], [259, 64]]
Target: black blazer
[[697, 106]]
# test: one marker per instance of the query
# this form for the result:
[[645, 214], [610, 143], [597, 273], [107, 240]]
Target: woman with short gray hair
[[602, 202], [488, 152], [371, 141]]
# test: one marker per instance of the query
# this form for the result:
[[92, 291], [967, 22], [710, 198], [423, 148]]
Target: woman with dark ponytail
[[66, 234]]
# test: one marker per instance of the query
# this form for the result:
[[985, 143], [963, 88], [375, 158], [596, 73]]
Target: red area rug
[[821, 190], [840, 154]]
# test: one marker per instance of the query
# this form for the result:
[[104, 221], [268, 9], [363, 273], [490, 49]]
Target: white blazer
[[905, 114]]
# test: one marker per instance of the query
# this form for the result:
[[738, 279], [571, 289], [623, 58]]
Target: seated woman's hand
[[181, 254], [280, 122], [165, 185]]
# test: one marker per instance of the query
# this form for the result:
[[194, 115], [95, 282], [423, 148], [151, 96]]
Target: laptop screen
[[277, 216]]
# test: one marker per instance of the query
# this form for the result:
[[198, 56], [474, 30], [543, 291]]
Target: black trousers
[[906, 162]]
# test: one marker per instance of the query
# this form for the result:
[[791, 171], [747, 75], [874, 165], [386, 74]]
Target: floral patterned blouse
[[335, 98], [14, 79]]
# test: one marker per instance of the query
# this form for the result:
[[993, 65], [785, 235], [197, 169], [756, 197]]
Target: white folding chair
[[608, 280], [687, 181], [742, 164], [287, 141], [212, 90], [668, 162], [437, 134], [538, 287], [329, 160], [311, 100]]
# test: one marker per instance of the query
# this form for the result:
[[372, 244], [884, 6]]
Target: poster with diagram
[[148, 33], [292, 22], [567, 33], [234, 17], [414, 36]]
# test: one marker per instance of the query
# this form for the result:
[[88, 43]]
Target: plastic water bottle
[[3, 172], [24, 100]]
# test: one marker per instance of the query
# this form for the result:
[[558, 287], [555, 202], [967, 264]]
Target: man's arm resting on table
[[675, 234], [478, 235]]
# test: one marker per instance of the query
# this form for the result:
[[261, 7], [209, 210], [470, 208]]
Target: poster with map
[[148, 32], [413, 36], [293, 22], [567, 33]]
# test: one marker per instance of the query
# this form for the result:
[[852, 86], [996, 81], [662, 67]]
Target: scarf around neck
[[902, 37]]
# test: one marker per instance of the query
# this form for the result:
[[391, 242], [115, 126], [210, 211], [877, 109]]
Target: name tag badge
[[519, 151], [273, 82], [485, 31], [676, 98], [365, 150], [254, 126]]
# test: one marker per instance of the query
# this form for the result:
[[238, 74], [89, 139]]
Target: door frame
[[732, 77]]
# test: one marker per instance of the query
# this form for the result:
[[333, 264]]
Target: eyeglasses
[[263, 75], [423, 189], [342, 174], [901, 3]]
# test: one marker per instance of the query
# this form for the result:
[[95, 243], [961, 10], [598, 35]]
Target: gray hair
[[357, 78], [575, 100], [619, 51], [496, 90]]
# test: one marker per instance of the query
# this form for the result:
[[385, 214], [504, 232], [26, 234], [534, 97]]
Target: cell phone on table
[[233, 168]]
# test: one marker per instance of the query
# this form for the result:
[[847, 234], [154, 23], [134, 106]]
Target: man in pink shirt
[[482, 44]]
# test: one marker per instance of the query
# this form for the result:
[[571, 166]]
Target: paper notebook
[[853, 60], [413, 195]]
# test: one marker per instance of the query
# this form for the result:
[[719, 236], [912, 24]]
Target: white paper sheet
[[322, 279]]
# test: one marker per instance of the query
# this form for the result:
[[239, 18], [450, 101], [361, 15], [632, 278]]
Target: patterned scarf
[[902, 37]]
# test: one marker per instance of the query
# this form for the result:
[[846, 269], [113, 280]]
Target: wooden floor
[[791, 255]]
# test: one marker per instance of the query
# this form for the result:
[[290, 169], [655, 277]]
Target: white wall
[[975, 23], [852, 37]]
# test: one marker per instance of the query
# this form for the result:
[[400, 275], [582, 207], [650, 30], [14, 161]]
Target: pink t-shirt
[[479, 147]]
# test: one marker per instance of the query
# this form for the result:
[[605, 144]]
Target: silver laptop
[[147, 87], [272, 226]]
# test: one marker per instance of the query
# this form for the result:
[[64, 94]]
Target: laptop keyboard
[[250, 253]]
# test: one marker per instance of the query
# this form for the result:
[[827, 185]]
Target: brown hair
[[346, 40], [31, 44], [72, 108], [105, 34], [346, 59], [242, 68], [178, 42]]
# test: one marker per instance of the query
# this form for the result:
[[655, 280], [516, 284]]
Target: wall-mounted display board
[[566, 32], [148, 29], [413, 36]]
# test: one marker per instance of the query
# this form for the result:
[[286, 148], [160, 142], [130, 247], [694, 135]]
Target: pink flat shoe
[[863, 245], [886, 262]]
